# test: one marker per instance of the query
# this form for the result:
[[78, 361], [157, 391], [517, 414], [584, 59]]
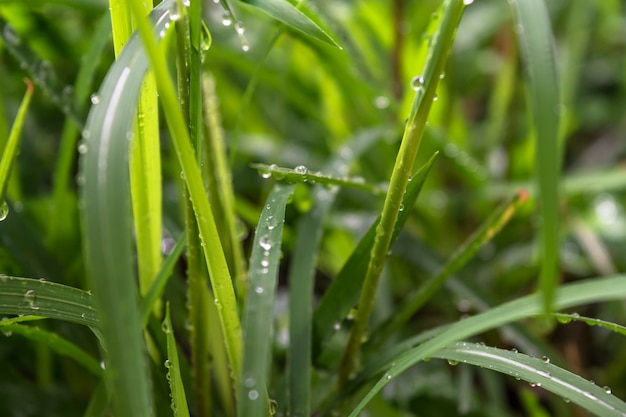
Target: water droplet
[[186, 3], [401, 208], [381, 102], [227, 19], [266, 174], [265, 263], [245, 46], [4, 211], [452, 362], [86, 134], [249, 382], [388, 377], [95, 99], [545, 359], [265, 242], [301, 169], [218, 304], [442, 76], [240, 28], [167, 363], [253, 394], [567, 400], [174, 15], [564, 319], [468, 2], [417, 82], [436, 97], [103, 365], [165, 327], [259, 290], [30, 297], [337, 326], [514, 350], [607, 389], [82, 148]]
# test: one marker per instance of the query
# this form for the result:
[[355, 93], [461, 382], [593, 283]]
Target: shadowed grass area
[[259, 208]]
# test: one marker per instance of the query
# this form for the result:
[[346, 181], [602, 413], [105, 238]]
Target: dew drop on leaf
[[4, 210]]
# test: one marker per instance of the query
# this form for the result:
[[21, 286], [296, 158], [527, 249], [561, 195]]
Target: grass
[[259, 208]]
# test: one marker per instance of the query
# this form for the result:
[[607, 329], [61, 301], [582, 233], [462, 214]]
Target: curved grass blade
[[302, 174], [492, 226], [285, 12], [55, 342], [177, 390], [426, 86], [539, 372], [537, 47], [25, 296], [212, 247], [590, 321], [10, 151], [570, 295], [342, 295], [259, 309], [108, 225], [302, 274]]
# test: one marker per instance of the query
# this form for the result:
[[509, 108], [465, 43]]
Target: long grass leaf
[[540, 373], [570, 295], [342, 295], [47, 299], [212, 248], [10, 151], [259, 309], [108, 226], [285, 12], [426, 85], [537, 46], [302, 273], [177, 390]]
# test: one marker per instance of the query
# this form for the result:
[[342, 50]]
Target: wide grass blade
[[47, 299], [425, 91], [258, 313], [342, 295], [285, 12], [570, 295], [108, 226], [539, 373], [177, 390], [534, 35], [57, 343], [10, 151]]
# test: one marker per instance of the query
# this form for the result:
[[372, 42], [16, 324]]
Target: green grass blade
[[55, 342], [99, 403], [212, 248], [426, 85], [302, 274], [302, 174], [570, 295], [108, 226], [46, 299], [590, 321], [158, 285], [221, 185], [10, 151], [537, 46], [259, 309], [285, 12], [177, 390], [342, 295], [539, 372], [492, 226]]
